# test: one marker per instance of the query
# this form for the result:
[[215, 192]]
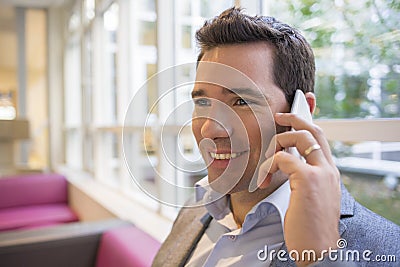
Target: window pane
[[89, 9], [213, 8], [72, 82], [152, 92], [74, 21], [87, 73], [185, 7], [356, 45], [73, 148], [108, 104], [147, 34], [142, 163], [148, 5], [186, 36], [108, 158]]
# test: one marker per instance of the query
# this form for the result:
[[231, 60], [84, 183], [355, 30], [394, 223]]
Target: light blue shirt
[[224, 244]]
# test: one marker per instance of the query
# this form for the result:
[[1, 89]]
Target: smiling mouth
[[220, 156]]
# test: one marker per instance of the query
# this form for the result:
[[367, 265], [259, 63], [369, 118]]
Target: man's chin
[[227, 186], [221, 184]]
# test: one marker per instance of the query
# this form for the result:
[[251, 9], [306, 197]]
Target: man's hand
[[311, 221]]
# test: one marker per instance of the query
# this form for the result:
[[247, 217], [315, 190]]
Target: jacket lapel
[[188, 228]]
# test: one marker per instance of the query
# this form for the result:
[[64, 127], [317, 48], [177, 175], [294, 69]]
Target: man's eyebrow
[[254, 93], [197, 93]]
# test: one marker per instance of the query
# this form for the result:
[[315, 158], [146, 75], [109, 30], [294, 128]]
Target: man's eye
[[241, 102], [202, 102]]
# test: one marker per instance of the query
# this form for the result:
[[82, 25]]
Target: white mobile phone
[[302, 109]]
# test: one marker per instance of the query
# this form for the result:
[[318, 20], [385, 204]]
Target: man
[[262, 205]]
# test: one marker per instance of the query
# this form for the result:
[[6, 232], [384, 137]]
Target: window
[[87, 112], [106, 107], [356, 49], [89, 10], [72, 104], [111, 91], [354, 43]]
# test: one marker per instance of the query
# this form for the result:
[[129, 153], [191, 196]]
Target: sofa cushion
[[63, 245], [34, 216], [32, 189], [125, 247]]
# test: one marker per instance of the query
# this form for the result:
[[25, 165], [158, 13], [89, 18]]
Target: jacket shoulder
[[366, 230]]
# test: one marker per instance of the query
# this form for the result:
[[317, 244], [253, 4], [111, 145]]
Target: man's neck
[[242, 202]]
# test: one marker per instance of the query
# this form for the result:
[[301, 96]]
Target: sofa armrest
[[125, 247], [73, 244]]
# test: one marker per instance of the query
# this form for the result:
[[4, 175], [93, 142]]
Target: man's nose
[[212, 128], [218, 123]]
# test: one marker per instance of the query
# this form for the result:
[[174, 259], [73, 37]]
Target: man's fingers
[[303, 141], [297, 123], [282, 161]]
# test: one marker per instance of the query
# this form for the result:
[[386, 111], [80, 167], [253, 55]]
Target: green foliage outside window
[[357, 50]]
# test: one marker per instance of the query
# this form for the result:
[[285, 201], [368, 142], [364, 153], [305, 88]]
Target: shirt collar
[[279, 199], [217, 204]]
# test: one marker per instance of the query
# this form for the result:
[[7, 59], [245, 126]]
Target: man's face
[[235, 99]]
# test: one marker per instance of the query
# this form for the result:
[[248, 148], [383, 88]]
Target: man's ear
[[312, 101]]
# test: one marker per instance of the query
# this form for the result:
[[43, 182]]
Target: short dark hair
[[294, 66]]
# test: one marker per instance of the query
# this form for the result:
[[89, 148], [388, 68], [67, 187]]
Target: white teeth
[[225, 156]]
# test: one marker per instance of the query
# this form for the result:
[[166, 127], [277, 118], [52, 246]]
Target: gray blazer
[[361, 228]]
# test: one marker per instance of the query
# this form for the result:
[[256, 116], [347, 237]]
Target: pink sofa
[[34, 200], [83, 244], [125, 247]]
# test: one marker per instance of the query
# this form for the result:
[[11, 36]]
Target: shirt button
[[232, 237]]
